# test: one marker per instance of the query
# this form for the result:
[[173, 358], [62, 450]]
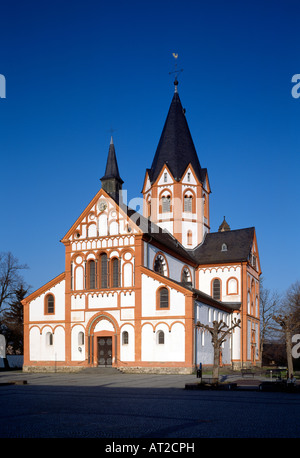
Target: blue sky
[[76, 69]]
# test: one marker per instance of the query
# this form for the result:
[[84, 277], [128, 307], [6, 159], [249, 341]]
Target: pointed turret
[[111, 181], [176, 147]]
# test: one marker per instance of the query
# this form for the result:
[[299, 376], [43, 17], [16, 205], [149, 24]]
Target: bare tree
[[269, 303], [10, 278], [288, 320], [219, 332]]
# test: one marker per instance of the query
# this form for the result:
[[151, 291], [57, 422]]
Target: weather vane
[[176, 71]]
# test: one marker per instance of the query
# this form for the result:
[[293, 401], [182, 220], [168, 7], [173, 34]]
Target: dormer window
[[224, 247]]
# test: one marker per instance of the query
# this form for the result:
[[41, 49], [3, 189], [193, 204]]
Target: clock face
[[102, 205]]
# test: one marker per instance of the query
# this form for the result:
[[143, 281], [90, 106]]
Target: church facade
[[135, 285]]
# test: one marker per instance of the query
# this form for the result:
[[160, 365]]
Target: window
[[189, 237], [115, 272], [166, 204], [165, 177], [49, 304], [125, 338], [103, 263], [216, 289], [159, 265], [49, 338], [224, 247], [160, 337], [92, 274], [188, 201], [185, 276], [163, 298], [189, 176], [80, 338]]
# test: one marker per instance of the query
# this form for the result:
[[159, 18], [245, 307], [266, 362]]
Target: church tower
[[111, 181], [176, 188]]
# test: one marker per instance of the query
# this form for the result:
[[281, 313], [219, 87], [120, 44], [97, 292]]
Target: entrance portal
[[104, 351]]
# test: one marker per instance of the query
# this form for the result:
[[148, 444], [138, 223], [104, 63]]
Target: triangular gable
[[90, 207]]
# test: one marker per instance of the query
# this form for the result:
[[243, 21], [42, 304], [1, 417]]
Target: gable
[[102, 217]]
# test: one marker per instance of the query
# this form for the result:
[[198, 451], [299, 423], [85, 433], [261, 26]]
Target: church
[[135, 285]]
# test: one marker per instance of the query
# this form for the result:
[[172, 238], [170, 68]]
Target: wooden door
[[104, 351]]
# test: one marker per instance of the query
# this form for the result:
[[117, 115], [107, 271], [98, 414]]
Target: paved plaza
[[116, 405]]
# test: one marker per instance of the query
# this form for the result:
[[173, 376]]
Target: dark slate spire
[[111, 181], [176, 147]]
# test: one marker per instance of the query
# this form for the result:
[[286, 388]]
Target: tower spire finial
[[176, 71]]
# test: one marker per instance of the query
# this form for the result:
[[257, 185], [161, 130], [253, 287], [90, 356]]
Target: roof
[[156, 233], [238, 246], [176, 147], [112, 169]]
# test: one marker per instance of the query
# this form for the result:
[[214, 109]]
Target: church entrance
[[104, 353]]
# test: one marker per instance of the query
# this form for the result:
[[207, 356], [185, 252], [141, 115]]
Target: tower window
[[165, 177], [188, 200], [189, 237], [189, 177], [166, 204]]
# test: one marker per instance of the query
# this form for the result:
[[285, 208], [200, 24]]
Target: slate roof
[[112, 169], [156, 233], [238, 243], [176, 147]]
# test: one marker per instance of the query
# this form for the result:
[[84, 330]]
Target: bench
[[247, 372]]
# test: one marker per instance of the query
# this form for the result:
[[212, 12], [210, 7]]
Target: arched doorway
[[102, 341]]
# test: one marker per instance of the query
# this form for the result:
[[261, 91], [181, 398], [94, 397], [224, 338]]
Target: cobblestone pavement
[[118, 405]]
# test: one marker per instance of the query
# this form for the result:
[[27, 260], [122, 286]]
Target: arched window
[[92, 274], [103, 264], [188, 203], [185, 275], [160, 265], [80, 338], [49, 338], [166, 204], [216, 289], [189, 237], [125, 338], [160, 337], [49, 304], [163, 299], [115, 272]]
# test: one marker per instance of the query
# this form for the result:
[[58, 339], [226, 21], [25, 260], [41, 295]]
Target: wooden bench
[[247, 372]]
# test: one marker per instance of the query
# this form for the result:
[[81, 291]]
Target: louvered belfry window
[[166, 204]]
